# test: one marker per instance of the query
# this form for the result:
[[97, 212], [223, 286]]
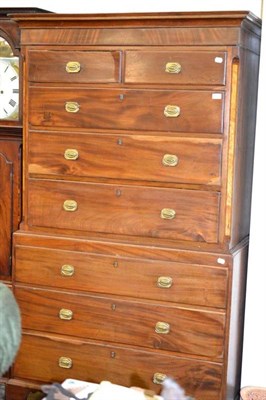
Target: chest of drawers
[[130, 262]]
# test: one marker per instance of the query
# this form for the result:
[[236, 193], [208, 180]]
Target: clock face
[[9, 88]]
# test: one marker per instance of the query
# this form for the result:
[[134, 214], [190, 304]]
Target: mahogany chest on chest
[[130, 262]]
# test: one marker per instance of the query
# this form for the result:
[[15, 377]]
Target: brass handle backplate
[[162, 328], [170, 160], [71, 154], [72, 106], [67, 270], [168, 213], [164, 282], [158, 378], [72, 67], [65, 314], [171, 111], [70, 205], [173, 67], [65, 362]]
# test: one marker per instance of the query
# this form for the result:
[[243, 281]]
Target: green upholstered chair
[[10, 328]]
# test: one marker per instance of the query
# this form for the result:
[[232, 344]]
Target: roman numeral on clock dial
[[12, 102]]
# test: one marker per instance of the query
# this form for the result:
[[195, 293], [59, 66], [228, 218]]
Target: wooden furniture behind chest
[[10, 152], [10, 186], [130, 262]]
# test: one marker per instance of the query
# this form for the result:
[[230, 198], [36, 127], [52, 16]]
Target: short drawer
[[74, 66], [54, 359], [126, 109], [175, 67], [128, 210], [111, 319], [139, 278], [135, 157]]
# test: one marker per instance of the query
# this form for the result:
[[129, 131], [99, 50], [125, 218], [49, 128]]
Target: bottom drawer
[[54, 359]]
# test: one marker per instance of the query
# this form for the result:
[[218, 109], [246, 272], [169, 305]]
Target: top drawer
[[176, 67], [74, 66]]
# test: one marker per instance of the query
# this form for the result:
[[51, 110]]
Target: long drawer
[[74, 66], [54, 359], [154, 158], [175, 67], [129, 210], [127, 109], [142, 278], [112, 319]]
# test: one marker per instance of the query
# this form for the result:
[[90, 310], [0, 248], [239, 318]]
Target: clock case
[[10, 151]]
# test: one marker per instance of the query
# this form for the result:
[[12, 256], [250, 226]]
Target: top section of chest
[[183, 85], [239, 28]]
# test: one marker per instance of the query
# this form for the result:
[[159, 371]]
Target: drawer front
[[125, 109], [127, 210], [141, 278], [152, 158], [175, 67], [122, 321], [74, 66], [54, 360]]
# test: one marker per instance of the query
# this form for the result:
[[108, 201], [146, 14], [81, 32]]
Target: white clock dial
[[9, 90]]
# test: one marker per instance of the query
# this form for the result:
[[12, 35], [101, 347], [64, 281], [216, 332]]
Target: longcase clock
[[10, 134], [10, 140]]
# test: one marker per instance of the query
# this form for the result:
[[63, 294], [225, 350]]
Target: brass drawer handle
[[171, 111], [71, 154], [70, 205], [168, 213], [72, 106], [170, 160], [162, 327], [72, 67], [67, 270], [173, 67], [65, 362], [164, 282], [158, 378], [65, 314]]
